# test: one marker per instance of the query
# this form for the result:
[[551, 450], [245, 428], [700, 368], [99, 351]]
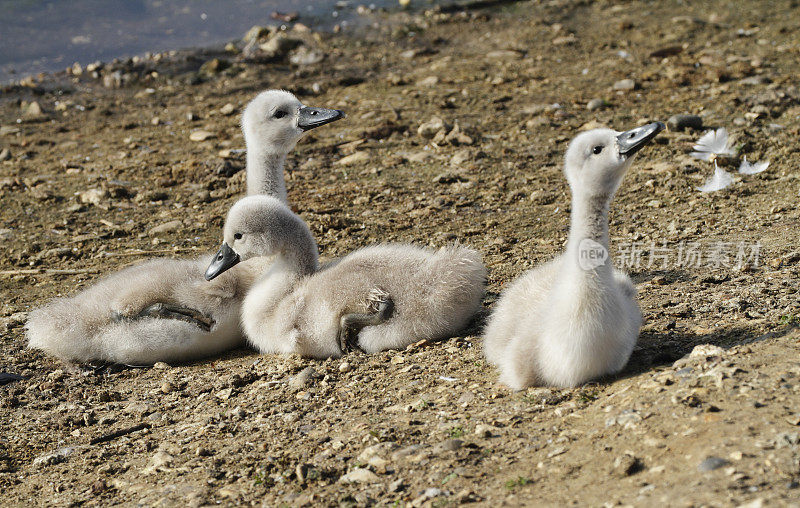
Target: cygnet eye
[[597, 149], [280, 114], [237, 236]]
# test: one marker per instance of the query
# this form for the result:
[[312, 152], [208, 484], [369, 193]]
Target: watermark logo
[[591, 254], [691, 255]]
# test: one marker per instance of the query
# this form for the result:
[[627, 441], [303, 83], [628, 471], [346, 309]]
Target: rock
[[360, 475], [278, 46], [345, 367], [306, 56], [302, 378], [483, 430], [201, 135], [32, 111], [5, 154], [9, 130], [430, 128], [166, 227], [256, 32], [666, 51], [397, 485], [706, 350], [160, 461], [460, 157], [354, 158], [504, 54], [682, 122], [596, 104], [430, 81], [51, 458], [213, 67], [429, 493], [148, 196], [755, 80], [450, 445], [228, 109], [711, 463], [457, 137], [625, 84], [93, 196], [626, 465]]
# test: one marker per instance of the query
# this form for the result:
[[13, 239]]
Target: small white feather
[[751, 168], [712, 143], [718, 181]]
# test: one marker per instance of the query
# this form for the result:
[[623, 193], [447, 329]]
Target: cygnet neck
[[588, 229], [265, 171], [300, 255]]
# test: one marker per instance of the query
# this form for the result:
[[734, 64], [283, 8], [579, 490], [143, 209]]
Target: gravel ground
[[457, 123]]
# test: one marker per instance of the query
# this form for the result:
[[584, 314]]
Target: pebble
[[93, 196], [626, 465], [51, 458], [450, 445], [302, 378], [483, 430], [360, 475], [682, 122], [625, 84], [430, 128], [345, 367], [504, 54], [166, 227], [227, 109], [352, 159], [596, 104], [711, 463], [201, 135], [430, 81], [33, 110], [5, 154], [397, 485]]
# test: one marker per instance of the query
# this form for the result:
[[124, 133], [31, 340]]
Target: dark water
[[37, 35]]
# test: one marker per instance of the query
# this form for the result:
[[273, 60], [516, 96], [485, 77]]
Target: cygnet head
[[596, 160], [260, 226], [276, 120]]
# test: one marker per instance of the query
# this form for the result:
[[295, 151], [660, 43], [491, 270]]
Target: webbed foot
[[167, 311], [351, 324]]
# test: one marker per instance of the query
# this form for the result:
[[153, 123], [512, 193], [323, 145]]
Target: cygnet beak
[[633, 140], [223, 260], [311, 118]]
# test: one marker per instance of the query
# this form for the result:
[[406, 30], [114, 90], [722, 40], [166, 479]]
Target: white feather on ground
[[752, 168], [713, 143], [718, 181]]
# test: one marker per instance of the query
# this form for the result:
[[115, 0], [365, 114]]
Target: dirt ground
[[707, 413]]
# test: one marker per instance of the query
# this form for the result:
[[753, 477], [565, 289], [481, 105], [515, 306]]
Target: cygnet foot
[[351, 324], [167, 311]]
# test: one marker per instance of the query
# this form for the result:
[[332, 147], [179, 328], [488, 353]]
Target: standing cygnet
[[272, 124], [377, 298], [575, 318], [163, 309]]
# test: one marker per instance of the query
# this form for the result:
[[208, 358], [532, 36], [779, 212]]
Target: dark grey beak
[[223, 260], [633, 140], [311, 118]]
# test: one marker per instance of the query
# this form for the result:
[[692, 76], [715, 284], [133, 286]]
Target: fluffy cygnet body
[[377, 298], [163, 309], [575, 318]]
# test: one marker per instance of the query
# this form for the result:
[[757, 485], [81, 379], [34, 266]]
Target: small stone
[[483, 430], [430, 128], [503, 54], [93, 196], [161, 366], [397, 485], [626, 465], [160, 460], [711, 463], [354, 158], [345, 367], [706, 350], [430, 81], [450, 445], [279, 46], [302, 378], [201, 135], [625, 84], [227, 109], [213, 66], [51, 458], [596, 104], [255, 33], [306, 56], [682, 122], [167, 227], [33, 110], [360, 475], [5, 154], [167, 387]]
